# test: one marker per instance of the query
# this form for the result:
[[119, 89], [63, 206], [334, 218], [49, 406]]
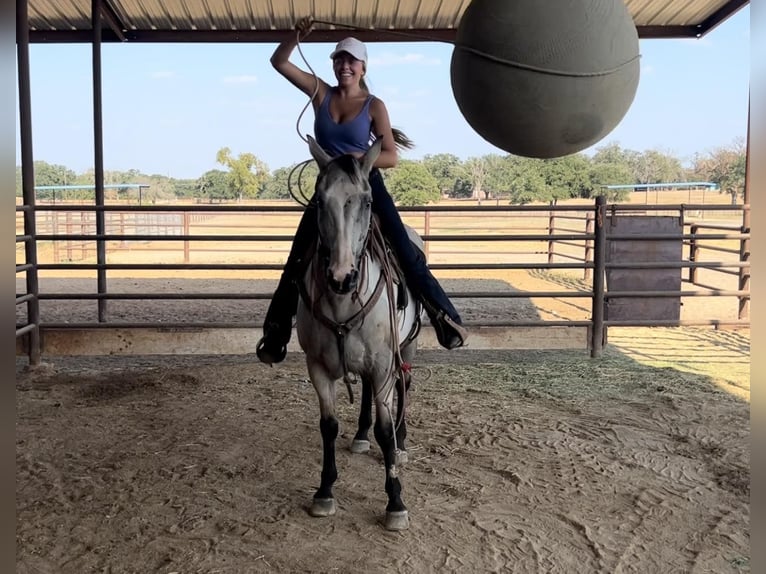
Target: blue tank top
[[350, 136]]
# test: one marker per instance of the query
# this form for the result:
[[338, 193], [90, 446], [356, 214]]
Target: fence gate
[[627, 242]]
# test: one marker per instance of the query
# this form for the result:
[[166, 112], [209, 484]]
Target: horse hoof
[[360, 446], [321, 507], [402, 458], [398, 520]]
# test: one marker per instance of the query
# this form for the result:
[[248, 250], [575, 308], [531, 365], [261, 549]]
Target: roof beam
[[115, 34], [115, 24], [251, 36], [720, 15], [660, 32]]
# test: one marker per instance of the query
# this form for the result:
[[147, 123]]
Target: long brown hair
[[401, 139]]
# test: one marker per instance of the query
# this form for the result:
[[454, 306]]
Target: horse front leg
[[396, 513], [402, 401], [404, 379], [361, 442], [323, 503]]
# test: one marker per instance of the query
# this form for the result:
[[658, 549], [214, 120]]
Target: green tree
[[654, 166], [462, 188], [612, 153], [247, 173], [300, 180], [622, 161], [497, 180], [527, 181], [410, 183], [446, 169], [52, 174], [213, 184], [725, 166], [603, 174], [566, 177], [185, 188], [47, 174], [477, 169]]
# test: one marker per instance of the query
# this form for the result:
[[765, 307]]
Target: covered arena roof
[[57, 21]]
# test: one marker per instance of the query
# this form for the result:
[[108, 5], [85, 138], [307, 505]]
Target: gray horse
[[353, 321]]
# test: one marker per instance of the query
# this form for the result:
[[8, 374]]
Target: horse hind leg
[[323, 503], [397, 517], [361, 442]]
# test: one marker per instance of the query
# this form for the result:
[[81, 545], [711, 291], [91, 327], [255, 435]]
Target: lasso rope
[[303, 199]]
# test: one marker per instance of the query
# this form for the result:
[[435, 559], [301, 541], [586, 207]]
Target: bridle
[[375, 248]]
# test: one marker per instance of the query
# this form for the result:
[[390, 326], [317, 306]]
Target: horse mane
[[349, 165]]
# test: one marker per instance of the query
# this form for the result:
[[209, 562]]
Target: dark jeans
[[284, 303]]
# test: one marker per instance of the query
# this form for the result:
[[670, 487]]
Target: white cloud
[[163, 74], [242, 79], [647, 69], [391, 59]]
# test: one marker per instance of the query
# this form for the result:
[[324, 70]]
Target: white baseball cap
[[352, 46]]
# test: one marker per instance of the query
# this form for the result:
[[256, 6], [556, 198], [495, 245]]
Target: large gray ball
[[544, 112]]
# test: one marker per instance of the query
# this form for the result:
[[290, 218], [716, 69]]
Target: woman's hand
[[304, 26], [307, 83]]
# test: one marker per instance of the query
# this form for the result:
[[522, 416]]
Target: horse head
[[344, 208]]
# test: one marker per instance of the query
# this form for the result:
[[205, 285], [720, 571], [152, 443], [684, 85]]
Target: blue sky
[[168, 108]]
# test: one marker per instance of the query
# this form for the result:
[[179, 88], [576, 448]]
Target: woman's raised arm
[[280, 59]]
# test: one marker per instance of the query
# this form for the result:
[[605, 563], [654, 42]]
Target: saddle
[[402, 295]]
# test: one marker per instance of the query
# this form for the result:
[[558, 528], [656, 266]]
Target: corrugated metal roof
[[266, 20]]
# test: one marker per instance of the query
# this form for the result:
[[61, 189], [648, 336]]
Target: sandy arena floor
[[519, 461]]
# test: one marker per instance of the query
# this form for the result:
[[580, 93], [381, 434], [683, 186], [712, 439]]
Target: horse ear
[[371, 156], [320, 155]]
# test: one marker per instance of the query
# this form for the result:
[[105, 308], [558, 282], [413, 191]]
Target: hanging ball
[[545, 79]]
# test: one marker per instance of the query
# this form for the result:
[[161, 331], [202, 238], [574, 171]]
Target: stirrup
[[449, 334], [270, 355]]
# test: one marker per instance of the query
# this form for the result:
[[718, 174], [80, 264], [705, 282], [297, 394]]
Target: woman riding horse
[[347, 117]]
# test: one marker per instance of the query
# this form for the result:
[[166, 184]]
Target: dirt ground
[[526, 461], [519, 461]]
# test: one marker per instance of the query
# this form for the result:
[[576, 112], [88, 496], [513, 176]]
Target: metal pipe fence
[[66, 238]]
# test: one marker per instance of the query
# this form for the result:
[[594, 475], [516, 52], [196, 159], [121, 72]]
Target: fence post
[[54, 215], [551, 228], [123, 242], [187, 225], [588, 273], [427, 231], [744, 274], [85, 230], [744, 246], [693, 253], [68, 231], [599, 260]]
